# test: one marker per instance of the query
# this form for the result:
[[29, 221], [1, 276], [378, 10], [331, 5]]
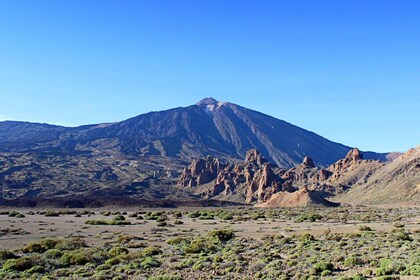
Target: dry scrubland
[[212, 243]]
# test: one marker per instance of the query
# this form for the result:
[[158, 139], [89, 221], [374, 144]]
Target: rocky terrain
[[143, 157], [352, 179]]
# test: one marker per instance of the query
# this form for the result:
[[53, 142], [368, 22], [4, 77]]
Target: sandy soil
[[37, 226]]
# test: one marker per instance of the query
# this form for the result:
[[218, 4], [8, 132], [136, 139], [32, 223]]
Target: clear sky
[[347, 70]]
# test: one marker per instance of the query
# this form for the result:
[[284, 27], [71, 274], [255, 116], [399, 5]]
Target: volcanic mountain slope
[[95, 174], [221, 129], [132, 157], [351, 180], [396, 181]]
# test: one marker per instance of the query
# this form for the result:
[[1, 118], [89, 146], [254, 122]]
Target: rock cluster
[[201, 171], [257, 181]]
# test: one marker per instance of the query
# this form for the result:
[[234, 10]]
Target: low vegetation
[[178, 252]]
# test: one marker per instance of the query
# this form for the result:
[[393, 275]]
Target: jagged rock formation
[[261, 183], [251, 180], [255, 181], [201, 171]]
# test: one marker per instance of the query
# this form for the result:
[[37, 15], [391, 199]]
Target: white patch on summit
[[211, 107]]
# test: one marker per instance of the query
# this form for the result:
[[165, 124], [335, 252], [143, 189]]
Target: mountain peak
[[207, 101], [210, 104]]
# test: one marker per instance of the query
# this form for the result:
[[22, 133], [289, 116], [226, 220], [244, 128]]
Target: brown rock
[[354, 154], [254, 156], [200, 172], [307, 161]]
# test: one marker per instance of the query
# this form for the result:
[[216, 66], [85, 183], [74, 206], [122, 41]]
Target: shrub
[[20, 264], [196, 246], [70, 244], [225, 216], [151, 251], [33, 247], [35, 269], [113, 222], [5, 255], [323, 266], [118, 251], [52, 214], [222, 234], [310, 217], [326, 273], [77, 257], [387, 267], [413, 270], [195, 214], [53, 254], [119, 218], [352, 261], [177, 240], [149, 262], [365, 228], [177, 215], [48, 243], [15, 214]]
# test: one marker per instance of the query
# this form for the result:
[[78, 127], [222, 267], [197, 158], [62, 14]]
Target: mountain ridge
[[210, 127]]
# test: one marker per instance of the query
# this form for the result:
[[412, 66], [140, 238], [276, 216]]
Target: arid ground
[[211, 243]]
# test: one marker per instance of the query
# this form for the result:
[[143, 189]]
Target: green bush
[[323, 266], [53, 254], [5, 255], [15, 214], [113, 222], [20, 264], [387, 267], [35, 269], [77, 257], [52, 214], [33, 247], [70, 244], [310, 217], [119, 218], [178, 240], [151, 251], [352, 261], [413, 270], [149, 262], [222, 234], [118, 251]]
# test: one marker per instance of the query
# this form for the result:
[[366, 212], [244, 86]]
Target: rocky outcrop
[[251, 181], [261, 183], [201, 171]]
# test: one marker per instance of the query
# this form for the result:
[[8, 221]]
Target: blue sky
[[347, 70]]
